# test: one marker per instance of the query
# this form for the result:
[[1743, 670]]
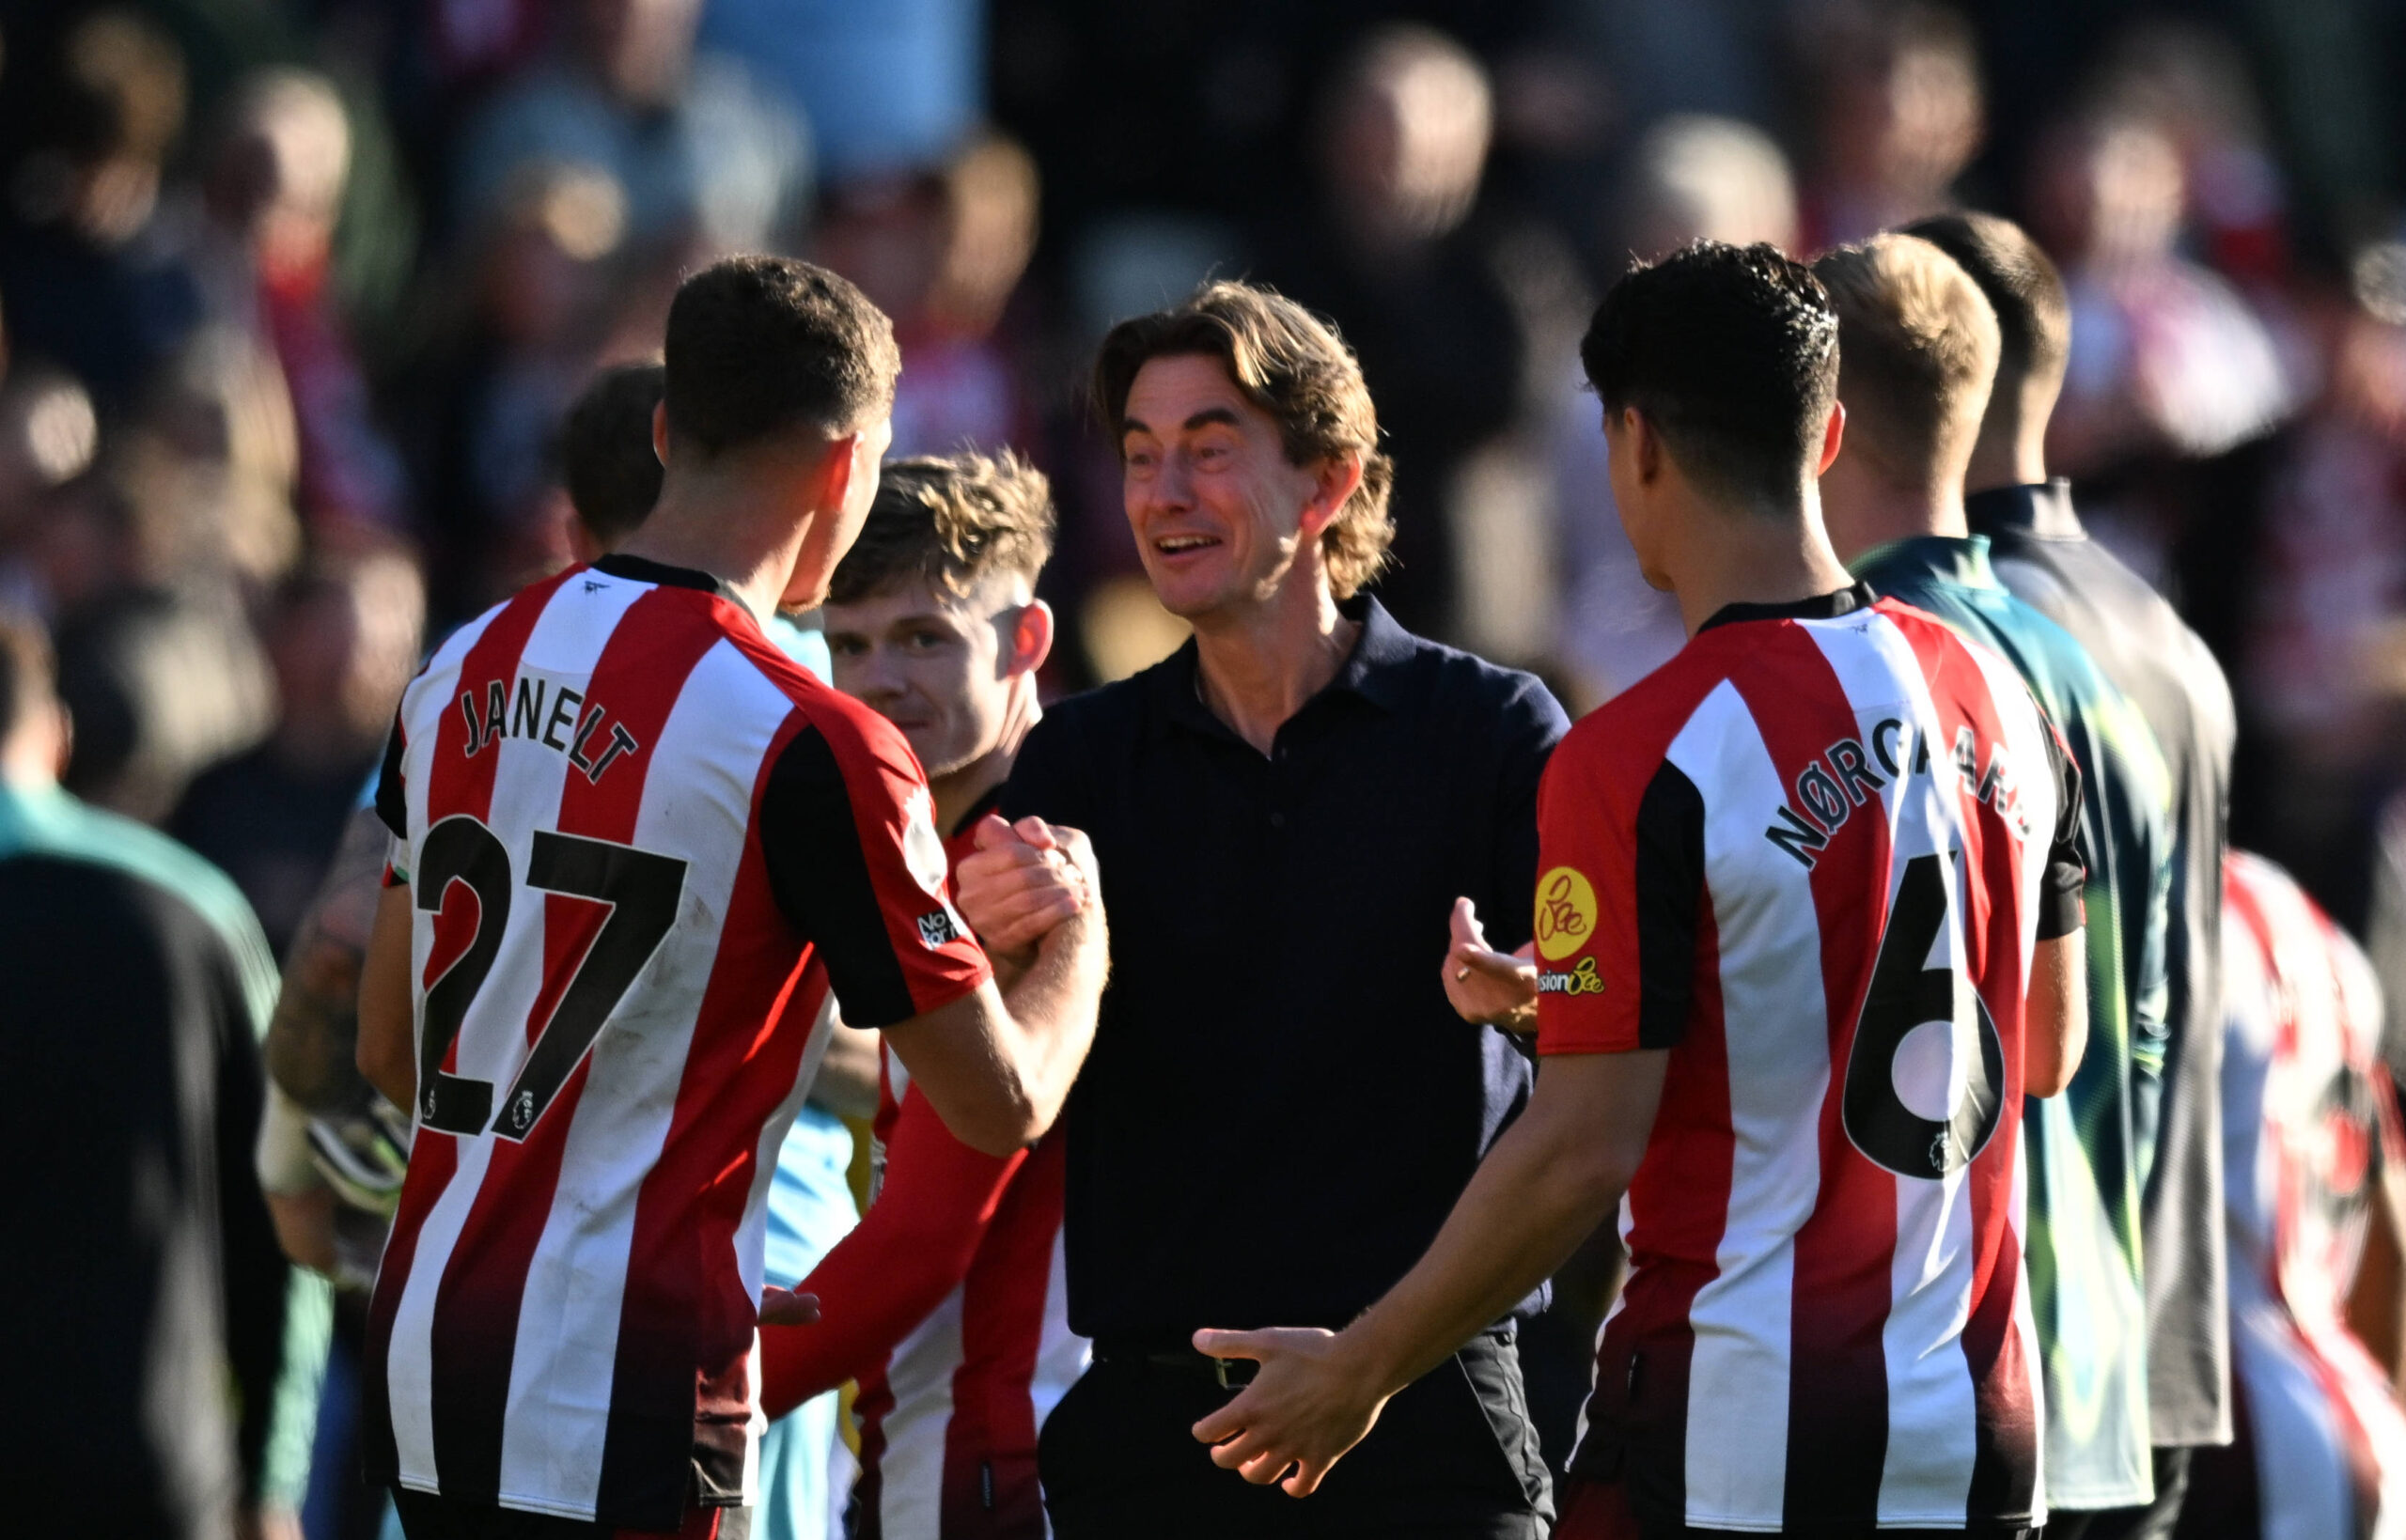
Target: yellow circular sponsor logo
[[1565, 919]]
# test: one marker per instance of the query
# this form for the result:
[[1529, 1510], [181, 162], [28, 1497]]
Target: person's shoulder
[[97, 837], [1471, 681], [1117, 707], [1633, 730]]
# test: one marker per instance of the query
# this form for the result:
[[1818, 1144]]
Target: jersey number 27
[[642, 888]]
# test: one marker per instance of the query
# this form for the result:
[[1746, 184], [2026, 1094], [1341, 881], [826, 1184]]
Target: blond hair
[[1918, 353], [952, 522]]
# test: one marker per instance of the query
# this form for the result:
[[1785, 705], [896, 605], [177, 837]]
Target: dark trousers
[[2156, 1521], [1453, 1455]]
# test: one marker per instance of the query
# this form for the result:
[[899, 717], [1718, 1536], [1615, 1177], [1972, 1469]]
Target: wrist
[[1372, 1363]]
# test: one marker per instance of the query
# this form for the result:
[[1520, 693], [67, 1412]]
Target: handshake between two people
[[1021, 882]]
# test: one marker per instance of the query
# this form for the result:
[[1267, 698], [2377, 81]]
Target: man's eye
[[924, 640], [844, 647]]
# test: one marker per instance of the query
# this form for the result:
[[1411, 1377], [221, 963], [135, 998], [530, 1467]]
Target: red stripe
[[1844, 1252], [456, 784], [681, 1388], [990, 1486], [2006, 1462], [637, 677]]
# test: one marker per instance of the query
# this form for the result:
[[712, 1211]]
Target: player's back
[[588, 782], [1838, 824]]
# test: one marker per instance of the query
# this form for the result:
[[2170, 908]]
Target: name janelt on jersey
[[1830, 787], [594, 741]]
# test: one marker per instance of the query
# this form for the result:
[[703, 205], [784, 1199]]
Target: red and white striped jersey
[[643, 847], [2309, 1125], [1811, 857], [947, 1303]]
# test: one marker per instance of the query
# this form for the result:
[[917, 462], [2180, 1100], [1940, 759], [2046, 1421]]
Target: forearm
[[1053, 1008], [387, 1031], [1535, 1199]]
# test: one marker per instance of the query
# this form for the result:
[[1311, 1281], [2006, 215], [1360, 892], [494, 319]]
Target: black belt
[[1163, 1358], [1154, 1354]]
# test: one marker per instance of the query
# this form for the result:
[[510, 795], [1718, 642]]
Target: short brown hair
[[2033, 311], [605, 451], [953, 522], [759, 345], [1293, 365], [1918, 349]]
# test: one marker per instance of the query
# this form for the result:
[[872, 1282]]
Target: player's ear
[[1031, 638], [1832, 435], [1646, 445], [660, 432]]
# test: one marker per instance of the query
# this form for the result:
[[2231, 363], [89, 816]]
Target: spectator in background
[[941, 251], [2046, 556], [94, 283], [147, 1301], [1691, 178], [344, 641], [884, 87], [1896, 113], [2166, 357], [710, 161], [270, 193], [1460, 323]]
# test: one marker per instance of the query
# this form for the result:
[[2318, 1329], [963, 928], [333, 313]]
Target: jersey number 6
[[1907, 994], [642, 888]]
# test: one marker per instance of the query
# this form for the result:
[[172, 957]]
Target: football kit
[[1811, 858], [631, 827], [949, 1306], [2309, 1128], [2083, 1149]]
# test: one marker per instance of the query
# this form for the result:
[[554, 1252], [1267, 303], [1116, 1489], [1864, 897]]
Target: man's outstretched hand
[[783, 1307], [1308, 1404], [1022, 880], [1490, 988]]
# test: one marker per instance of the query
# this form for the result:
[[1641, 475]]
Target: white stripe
[[697, 805], [911, 1471], [492, 1040], [1933, 1415], [1777, 1031]]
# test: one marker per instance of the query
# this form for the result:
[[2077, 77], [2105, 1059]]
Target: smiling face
[[938, 667], [1218, 510]]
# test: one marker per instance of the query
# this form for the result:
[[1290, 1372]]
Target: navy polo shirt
[[1281, 1107]]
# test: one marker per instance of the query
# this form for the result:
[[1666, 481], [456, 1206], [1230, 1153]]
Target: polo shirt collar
[[1829, 606], [2043, 512], [1960, 560], [1375, 670]]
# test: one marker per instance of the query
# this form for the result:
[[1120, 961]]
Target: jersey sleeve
[[848, 829], [391, 796], [912, 1248], [2061, 911], [1620, 884]]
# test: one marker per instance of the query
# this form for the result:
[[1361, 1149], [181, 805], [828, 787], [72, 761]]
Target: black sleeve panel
[[1670, 849], [2061, 911], [392, 798], [822, 880]]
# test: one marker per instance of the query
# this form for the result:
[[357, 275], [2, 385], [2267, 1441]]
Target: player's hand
[[783, 1307], [1023, 880], [1305, 1407], [1485, 986]]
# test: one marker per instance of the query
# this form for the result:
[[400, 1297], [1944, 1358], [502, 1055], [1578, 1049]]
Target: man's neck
[[959, 790], [1258, 666], [2008, 459], [1746, 558], [1888, 513], [708, 521]]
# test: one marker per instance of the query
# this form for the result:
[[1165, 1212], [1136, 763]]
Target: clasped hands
[[1023, 880]]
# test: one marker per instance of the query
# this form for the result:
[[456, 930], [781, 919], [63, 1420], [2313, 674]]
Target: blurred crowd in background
[[294, 292]]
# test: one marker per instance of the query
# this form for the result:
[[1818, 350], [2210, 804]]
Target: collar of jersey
[[1856, 596], [2043, 512], [1960, 560], [644, 570], [1374, 670]]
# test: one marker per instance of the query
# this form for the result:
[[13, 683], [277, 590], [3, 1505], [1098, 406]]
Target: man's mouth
[[1181, 545]]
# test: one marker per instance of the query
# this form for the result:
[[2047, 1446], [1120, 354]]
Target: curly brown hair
[[952, 522], [1293, 365]]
